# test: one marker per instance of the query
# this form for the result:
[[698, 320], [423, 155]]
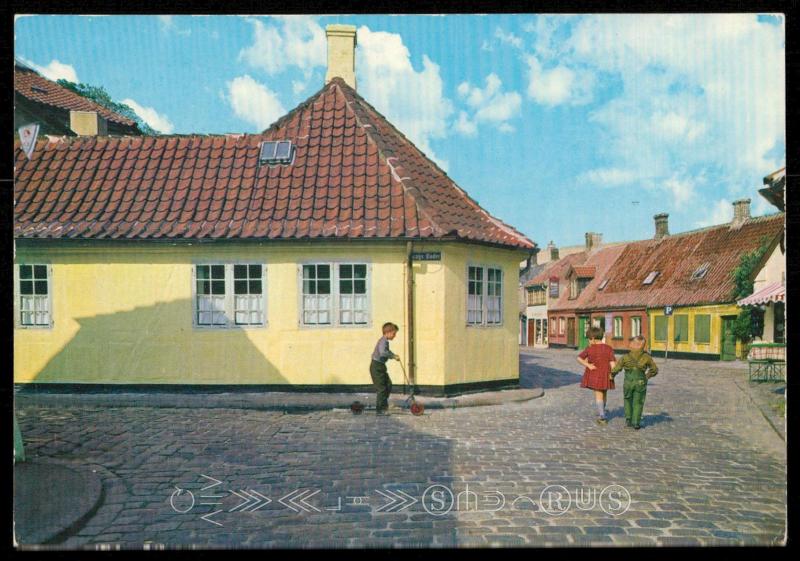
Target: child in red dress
[[598, 359]]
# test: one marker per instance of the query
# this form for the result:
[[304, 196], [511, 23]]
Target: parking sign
[[667, 310]]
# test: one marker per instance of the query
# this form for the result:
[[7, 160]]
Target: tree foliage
[[99, 95], [745, 326]]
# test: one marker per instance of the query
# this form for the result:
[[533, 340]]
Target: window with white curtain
[[317, 302], [353, 293], [34, 295], [230, 294], [335, 294], [484, 295]]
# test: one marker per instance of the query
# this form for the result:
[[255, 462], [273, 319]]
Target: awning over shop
[[775, 292]]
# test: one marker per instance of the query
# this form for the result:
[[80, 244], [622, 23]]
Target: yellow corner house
[[265, 261]]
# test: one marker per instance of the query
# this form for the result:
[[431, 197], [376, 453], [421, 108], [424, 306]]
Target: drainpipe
[[412, 375]]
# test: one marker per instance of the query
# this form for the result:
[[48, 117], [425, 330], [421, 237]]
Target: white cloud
[[464, 125], [691, 105], [156, 120], [290, 41], [682, 190], [712, 84], [54, 70], [254, 102], [168, 25], [490, 105], [608, 176], [719, 213], [508, 38], [557, 85], [413, 100]]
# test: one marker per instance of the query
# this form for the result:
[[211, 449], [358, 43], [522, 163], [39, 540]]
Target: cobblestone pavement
[[705, 469]]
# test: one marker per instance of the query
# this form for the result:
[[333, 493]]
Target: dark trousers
[[383, 385], [634, 391]]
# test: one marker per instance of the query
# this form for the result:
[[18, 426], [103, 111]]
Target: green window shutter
[[702, 328], [681, 328], [661, 328]]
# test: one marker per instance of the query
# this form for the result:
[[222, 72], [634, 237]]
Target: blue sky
[[558, 125]]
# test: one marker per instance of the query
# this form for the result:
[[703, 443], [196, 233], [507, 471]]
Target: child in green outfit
[[639, 368]]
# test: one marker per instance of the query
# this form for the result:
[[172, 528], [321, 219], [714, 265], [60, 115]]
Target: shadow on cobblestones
[[534, 375], [255, 478], [647, 420]]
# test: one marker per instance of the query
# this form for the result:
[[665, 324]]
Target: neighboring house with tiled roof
[[60, 111], [580, 280], [266, 259], [769, 287], [688, 273], [543, 289]]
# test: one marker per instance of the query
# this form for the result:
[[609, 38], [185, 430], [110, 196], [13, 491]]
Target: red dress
[[599, 355]]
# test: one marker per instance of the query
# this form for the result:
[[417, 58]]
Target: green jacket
[[636, 360]]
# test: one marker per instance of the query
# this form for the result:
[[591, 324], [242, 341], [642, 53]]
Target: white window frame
[[634, 321], [562, 323], [229, 301], [617, 327], [484, 284], [335, 309], [18, 296]]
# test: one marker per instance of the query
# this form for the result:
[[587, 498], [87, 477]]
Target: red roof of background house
[[584, 271], [557, 268], [676, 258], [600, 260], [353, 176], [38, 88]]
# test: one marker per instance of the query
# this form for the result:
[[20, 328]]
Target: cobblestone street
[[706, 468]]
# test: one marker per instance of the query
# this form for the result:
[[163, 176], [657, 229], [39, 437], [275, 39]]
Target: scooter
[[415, 407]]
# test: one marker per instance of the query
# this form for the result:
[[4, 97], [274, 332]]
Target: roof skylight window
[[650, 278], [602, 284], [701, 271], [276, 152]]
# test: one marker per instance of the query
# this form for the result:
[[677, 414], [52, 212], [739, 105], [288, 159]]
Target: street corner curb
[[52, 501], [476, 400]]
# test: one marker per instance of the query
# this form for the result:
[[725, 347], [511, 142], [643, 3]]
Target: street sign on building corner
[[426, 256]]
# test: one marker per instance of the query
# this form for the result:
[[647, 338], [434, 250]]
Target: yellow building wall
[[482, 353], [123, 314], [713, 347]]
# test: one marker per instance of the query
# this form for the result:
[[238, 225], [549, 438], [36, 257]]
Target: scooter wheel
[[417, 408]]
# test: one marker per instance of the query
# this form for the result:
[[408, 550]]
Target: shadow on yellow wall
[[158, 345]]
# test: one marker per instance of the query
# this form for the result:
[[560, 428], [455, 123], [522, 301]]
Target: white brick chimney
[[662, 225], [341, 53], [593, 240], [741, 212]]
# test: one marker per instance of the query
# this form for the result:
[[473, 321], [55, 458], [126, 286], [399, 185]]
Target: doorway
[[728, 351], [570, 332], [583, 332]]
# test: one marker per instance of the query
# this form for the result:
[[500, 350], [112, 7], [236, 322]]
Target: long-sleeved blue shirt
[[382, 352]]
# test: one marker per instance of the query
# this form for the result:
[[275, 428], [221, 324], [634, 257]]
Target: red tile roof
[[557, 268], [353, 176], [38, 88], [676, 258], [601, 260], [584, 272]]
